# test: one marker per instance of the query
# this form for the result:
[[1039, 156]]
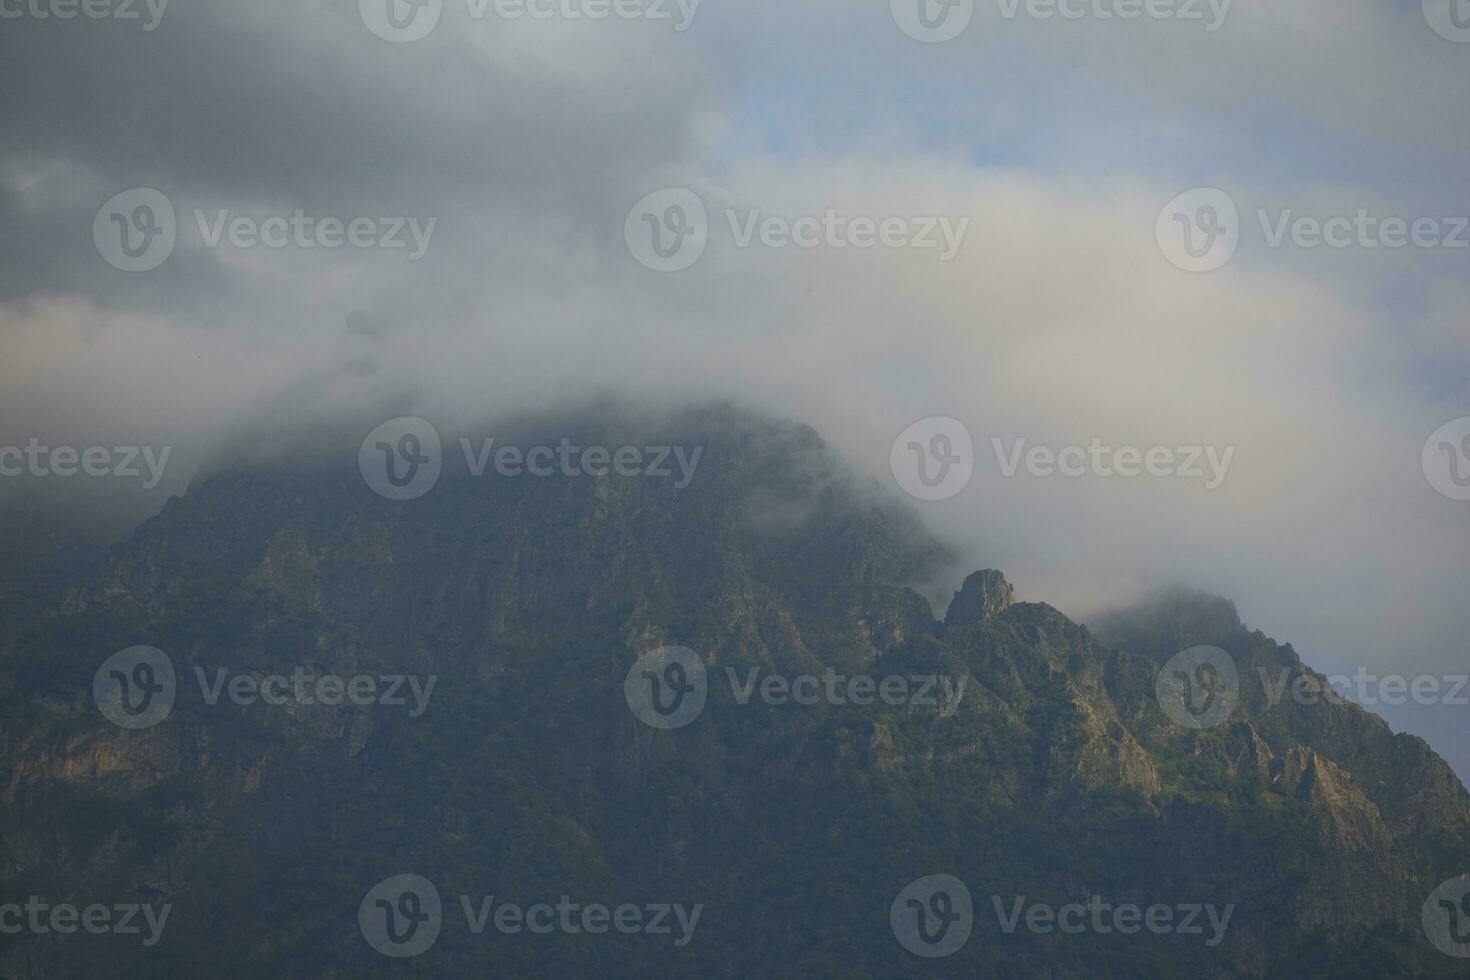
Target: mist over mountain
[[734, 487], [1058, 321]]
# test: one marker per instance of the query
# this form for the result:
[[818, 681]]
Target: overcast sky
[[1048, 147]]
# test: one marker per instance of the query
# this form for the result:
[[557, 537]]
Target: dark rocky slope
[[1055, 775]]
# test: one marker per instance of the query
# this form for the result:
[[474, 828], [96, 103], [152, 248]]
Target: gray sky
[[1060, 317]]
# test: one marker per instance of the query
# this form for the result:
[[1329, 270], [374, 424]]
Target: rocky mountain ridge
[[1055, 775]]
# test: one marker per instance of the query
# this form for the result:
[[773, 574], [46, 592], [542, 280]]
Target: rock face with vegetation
[[1047, 769]]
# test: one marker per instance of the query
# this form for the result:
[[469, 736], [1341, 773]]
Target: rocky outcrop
[[984, 595]]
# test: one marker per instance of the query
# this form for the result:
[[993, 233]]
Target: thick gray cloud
[[1059, 319]]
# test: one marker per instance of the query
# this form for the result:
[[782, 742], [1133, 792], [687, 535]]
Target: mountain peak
[[983, 595], [1169, 621]]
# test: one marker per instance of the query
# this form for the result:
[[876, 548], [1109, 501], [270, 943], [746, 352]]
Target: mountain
[[615, 691]]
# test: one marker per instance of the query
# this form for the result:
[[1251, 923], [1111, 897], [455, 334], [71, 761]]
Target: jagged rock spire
[[984, 594]]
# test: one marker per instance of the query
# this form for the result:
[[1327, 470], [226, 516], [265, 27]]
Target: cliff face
[[1043, 765]]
